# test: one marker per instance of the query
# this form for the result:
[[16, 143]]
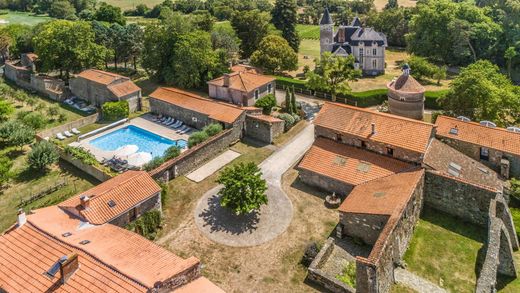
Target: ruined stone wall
[[152, 203], [366, 227], [458, 198], [380, 148], [325, 183], [191, 273]]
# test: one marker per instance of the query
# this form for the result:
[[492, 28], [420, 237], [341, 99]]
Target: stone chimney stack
[[226, 79], [22, 219], [373, 129], [68, 266], [85, 201]]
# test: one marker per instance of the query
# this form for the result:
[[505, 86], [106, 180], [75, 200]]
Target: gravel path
[[222, 226]]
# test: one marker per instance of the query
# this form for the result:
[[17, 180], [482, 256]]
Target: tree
[[251, 27], [6, 109], [172, 152], [67, 46], [391, 4], [5, 43], [420, 67], [224, 38], [481, 92], [509, 56], [266, 103], [203, 20], [62, 9], [293, 102], [53, 111], [288, 107], [284, 19], [440, 73], [244, 189], [394, 23], [35, 120], [134, 42], [42, 155], [109, 13], [275, 55], [332, 73], [21, 136]]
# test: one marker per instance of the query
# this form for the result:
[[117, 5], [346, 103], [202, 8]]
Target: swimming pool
[[144, 140]]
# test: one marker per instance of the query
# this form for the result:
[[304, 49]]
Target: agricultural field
[[130, 4], [14, 17]]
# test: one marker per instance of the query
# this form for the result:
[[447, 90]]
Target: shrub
[[171, 152], [288, 120], [21, 136], [266, 103], [6, 109], [115, 110], [515, 188], [154, 163], [348, 275], [35, 120], [20, 115], [42, 155], [212, 129], [196, 138], [147, 225], [81, 154], [5, 168], [53, 110]]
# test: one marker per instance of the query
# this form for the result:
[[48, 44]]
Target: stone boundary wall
[[48, 86], [74, 124], [499, 247], [321, 277], [194, 157], [91, 170]]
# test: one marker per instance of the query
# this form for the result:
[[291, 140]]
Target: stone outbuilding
[[98, 87], [406, 96], [264, 128]]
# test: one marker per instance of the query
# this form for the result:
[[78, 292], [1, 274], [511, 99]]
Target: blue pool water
[[145, 140]]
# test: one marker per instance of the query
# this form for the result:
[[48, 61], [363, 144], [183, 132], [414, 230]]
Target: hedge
[[115, 110]]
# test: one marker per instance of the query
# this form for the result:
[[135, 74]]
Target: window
[[257, 94], [390, 151], [374, 52], [363, 144], [374, 63], [484, 154], [269, 88], [361, 55]]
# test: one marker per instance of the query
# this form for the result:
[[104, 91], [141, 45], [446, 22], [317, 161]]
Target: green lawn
[[130, 4], [307, 31], [15, 17], [444, 250]]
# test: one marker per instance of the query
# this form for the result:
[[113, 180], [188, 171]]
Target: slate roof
[[325, 18], [348, 164], [406, 84], [214, 110], [382, 196], [393, 130], [474, 133], [125, 191], [244, 81]]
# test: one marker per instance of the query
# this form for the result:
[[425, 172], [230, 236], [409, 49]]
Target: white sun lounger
[[172, 122], [167, 121], [75, 131], [176, 125], [68, 134], [182, 129], [60, 136], [186, 130]]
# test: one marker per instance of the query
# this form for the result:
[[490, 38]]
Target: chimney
[[22, 219], [226, 79], [85, 201], [68, 266], [373, 129]]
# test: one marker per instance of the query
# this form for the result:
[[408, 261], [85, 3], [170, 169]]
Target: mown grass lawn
[[444, 250], [308, 31], [15, 17], [130, 4]]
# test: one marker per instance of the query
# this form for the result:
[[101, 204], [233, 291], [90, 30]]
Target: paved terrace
[[222, 226], [145, 122]]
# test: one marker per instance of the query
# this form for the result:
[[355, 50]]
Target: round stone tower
[[326, 32], [406, 96]]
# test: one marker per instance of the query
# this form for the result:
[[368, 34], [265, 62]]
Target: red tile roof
[[244, 81], [266, 118], [243, 67], [390, 129], [382, 196], [124, 88], [474, 133], [100, 76], [406, 84], [348, 164], [215, 110], [126, 191]]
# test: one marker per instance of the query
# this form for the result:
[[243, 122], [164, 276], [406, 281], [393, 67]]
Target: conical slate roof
[[406, 83], [325, 18]]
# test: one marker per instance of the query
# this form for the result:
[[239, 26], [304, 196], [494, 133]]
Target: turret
[[326, 32]]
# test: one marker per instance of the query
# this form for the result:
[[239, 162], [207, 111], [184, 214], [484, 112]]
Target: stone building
[[117, 201], [98, 87], [262, 127], [495, 147], [243, 87], [406, 96], [365, 44]]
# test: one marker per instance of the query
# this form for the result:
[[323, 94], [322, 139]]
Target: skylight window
[[66, 234], [454, 169], [84, 242], [454, 131], [111, 203], [340, 161], [363, 167]]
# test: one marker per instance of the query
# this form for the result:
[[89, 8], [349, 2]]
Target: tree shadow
[[221, 219]]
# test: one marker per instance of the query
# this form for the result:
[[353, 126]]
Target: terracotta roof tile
[[200, 285], [244, 81], [125, 190], [348, 164], [472, 132], [266, 118], [100, 76], [382, 196], [215, 110], [406, 84], [245, 68], [124, 88], [390, 129]]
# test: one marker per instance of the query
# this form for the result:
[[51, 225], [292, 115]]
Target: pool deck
[[145, 122]]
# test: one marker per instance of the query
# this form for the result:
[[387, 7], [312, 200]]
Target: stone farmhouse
[[389, 167], [242, 87], [406, 96], [365, 44], [98, 87], [496, 147], [117, 201]]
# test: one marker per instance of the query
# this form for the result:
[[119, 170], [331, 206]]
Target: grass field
[[130, 4], [444, 250], [307, 31], [13, 17]]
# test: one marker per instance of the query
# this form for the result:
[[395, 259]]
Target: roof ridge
[[195, 96], [136, 173], [242, 81], [478, 124]]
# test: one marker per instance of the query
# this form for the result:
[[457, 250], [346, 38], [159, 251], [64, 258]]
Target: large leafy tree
[[42, 155], [481, 92], [224, 38], [332, 74], [62, 9], [109, 13], [68, 47], [284, 18], [275, 55], [393, 22], [251, 27], [244, 189]]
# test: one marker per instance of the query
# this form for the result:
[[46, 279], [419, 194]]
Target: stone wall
[[380, 148], [238, 97], [153, 202], [191, 273], [195, 156], [68, 126], [459, 198], [410, 105], [366, 227], [97, 94], [317, 275], [89, 169], [500, 243], [23, 77], [262, 130], [325, 183], [495, 156]]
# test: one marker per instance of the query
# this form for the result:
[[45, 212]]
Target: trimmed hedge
[[115, 110]]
